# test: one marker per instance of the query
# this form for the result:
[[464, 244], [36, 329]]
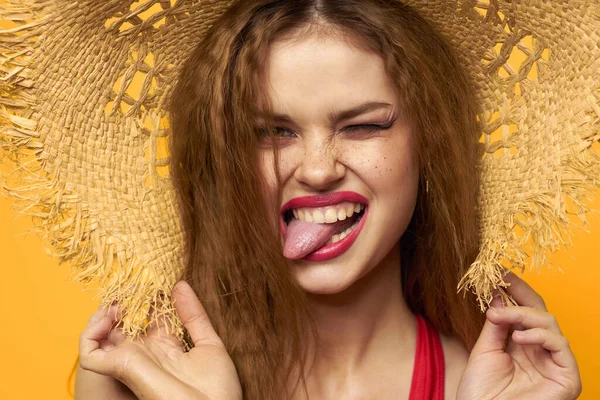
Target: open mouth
[[322, 227], [345, 217]]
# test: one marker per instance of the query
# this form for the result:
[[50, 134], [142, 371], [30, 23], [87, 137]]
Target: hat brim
[[83, 92]]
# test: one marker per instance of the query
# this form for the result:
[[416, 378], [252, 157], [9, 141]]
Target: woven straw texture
[[89, 163]]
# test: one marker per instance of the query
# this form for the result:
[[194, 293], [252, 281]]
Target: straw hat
[[83, 85]]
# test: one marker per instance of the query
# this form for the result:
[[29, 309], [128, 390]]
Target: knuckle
[[84, 362], [193, 319], [538, 333], [552, 320], [95, 317], [578, 389], [574, 389], [82, 338], [564, 342]]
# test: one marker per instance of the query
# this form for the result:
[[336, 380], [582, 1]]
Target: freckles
[[386, 159], [388, 169]]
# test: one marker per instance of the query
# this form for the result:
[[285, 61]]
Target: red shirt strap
[[428, 373]]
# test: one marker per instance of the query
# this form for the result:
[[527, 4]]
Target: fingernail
[[498, 310]]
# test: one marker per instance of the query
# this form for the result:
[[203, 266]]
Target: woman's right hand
[[156, 366]]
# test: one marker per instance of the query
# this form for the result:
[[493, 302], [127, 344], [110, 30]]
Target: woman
[[336, 140]]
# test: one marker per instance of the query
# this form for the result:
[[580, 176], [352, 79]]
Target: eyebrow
[[338, 115], [344, 115]]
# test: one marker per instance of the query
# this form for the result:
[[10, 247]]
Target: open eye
[[276, 132]]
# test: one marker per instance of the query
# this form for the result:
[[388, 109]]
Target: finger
[[524, 317], [555, 343], [116, 336], [99, 314], [93, 337], [499, 304], [97, 328], [193, 316], [493, 336], [523, 294]]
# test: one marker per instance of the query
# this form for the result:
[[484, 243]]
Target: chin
[[325, 278]]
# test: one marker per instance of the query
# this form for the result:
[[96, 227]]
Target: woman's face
[[348, 159]]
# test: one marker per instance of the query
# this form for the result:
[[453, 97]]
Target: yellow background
[[42, 312]]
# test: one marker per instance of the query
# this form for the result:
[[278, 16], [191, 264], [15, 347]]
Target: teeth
[[318, 217], [308, 217], [349, 210], [328, 215]]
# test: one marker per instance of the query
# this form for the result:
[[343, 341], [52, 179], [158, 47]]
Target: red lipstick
[[338, 248], [335, 249]]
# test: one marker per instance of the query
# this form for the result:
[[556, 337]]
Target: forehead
[[307, 74]]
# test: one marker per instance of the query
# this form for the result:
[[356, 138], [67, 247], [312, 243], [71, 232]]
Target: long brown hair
[[234, 259]]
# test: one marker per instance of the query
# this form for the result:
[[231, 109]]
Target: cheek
[[390, 168], [268, 172]]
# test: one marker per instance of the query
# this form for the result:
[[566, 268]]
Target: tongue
[[302, 238]]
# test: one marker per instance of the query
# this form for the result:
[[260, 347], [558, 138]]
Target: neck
[[367, 324]]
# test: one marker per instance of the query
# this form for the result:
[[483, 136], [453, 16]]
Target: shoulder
[[455, 361]]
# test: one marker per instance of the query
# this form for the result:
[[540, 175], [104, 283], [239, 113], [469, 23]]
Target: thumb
[[493, 337], [193, 316]]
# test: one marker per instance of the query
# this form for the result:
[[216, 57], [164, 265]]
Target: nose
[[320, 168]]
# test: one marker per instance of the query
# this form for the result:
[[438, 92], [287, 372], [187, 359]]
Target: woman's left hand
[[521, 353]]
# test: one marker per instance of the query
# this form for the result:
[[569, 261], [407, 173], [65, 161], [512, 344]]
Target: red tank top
[[428, 372]]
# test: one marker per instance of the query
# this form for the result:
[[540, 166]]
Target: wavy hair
[[234, 258]]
